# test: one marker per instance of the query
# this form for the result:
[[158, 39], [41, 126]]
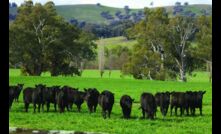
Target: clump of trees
[[42, 41], [165, 46]]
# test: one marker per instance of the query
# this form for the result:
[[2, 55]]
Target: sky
[[121, 3]]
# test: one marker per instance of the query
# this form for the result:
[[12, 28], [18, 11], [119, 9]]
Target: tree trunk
[[182, 70]]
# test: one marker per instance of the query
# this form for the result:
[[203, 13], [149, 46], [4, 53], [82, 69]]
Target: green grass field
[[119, 86], [116, 41]]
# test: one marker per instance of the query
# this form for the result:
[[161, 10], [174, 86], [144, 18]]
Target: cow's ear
[[85, 89], [204, 92], [36, 85]]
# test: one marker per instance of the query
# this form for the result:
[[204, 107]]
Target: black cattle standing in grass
[[91, 98], [65, 98], [51, 96], [18, 91], [11, 95], [163, 101], [126, 105], [178, 100], [60, 98], [38, 96], [27, 97], [78, 98], [14, 92], [197, 101], [148, 105], [106, 101]]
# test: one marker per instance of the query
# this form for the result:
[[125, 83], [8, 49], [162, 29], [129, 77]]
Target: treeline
[[169, 47], [40, 40]]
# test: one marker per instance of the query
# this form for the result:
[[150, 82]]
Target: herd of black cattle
[[65, 97]]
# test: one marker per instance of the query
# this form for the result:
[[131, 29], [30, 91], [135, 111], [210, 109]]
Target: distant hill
[[115, 41], [91, 13]]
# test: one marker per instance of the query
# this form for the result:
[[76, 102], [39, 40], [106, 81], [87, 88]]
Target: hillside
[[91, 13], [115, 41]]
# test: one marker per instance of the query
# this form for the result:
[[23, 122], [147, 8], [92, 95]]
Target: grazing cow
[[78, 98], [148, 105], [163, 101], [91, 98], [27, 97], [178, 100], [39, 96], [126, 105], [106, 101], [51, 96]]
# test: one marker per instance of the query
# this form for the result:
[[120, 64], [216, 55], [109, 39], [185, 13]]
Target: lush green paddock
[[95, 123]]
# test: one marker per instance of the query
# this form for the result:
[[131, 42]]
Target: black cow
[[178, 100], [61, 100], [78, 98], [163, 101], [126, 105], [148, 105], [39, 96], [106, 101], [91, 98], [27, 97], [18, 91], [65, 98], [197, 101], [51, 96], [11, 95]]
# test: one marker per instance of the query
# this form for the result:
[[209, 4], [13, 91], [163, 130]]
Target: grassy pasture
[[95, 123]]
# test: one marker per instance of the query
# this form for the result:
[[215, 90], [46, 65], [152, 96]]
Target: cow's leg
[[109, 113], [95, 106], [175, 110], [187, 111], [181, 111], [34, 107], [79, 108], [200, 110], [26, 107], [91, 109], [48, 106], [143, 112], [39, 107], [104, 113]]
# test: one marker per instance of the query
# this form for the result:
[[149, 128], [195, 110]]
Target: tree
[[98, 4], [203, 50], [148, 58], [178, 3], [186, 3], [126, 9], [182, 29], [13, 5], [42, 41], [164, 48]]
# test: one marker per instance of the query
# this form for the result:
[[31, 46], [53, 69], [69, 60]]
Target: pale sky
[[121, 3]]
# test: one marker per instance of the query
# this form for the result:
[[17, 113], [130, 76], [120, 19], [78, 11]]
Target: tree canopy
[[42, 41]]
